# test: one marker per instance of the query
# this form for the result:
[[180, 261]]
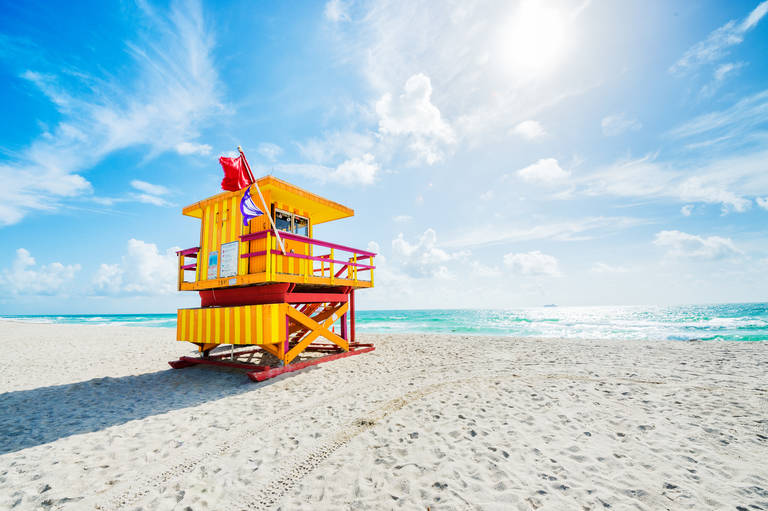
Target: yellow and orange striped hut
[[266, 283]]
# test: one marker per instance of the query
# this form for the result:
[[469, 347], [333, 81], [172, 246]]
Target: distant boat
[[550, 305]]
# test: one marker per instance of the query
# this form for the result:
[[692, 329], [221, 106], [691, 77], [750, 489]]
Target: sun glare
[[533, 39]]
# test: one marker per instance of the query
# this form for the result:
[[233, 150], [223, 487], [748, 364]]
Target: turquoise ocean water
[[730, 322]]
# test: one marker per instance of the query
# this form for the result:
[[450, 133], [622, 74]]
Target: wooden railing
[[341, 262], [183, 265]]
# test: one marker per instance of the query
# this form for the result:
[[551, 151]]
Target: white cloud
[[716, 45], [532, 263], [487, 195], [270, 151], [726, 181], [481, 270], [150, 188], [423, 258], [601, 267], [571, 230], [374, 247], [684, 245], [193, 148], [108, 278], [151, 199], [150, 195], [687, 210], [336, 10], [458, 85], [614, 125], [489, 68], [176, 88], [356, 171], [755, 16], [530, 130], [25, 277], [545, 171], [413, 116], [401, 219], [143, 270], [698, 188], [724, 70], [732, 123], [762, 202], [335, 145]]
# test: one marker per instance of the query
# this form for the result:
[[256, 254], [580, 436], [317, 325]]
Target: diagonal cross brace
[[316, 330]]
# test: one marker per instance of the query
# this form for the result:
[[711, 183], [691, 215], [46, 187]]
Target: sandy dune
[[89, 421]]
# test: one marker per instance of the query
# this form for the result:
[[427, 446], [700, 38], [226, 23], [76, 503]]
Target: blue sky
[[497, 154]]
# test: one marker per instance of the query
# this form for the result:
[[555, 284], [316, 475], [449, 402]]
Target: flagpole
[[247, 167], [267, 210]]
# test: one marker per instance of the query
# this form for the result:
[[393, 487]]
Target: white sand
[[89, 421]]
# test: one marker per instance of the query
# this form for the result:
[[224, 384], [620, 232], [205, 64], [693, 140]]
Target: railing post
[[330, 268], [181, 271], [268, 255], [371, 270]]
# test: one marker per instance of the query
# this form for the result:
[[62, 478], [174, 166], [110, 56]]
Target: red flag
[[236, 176]]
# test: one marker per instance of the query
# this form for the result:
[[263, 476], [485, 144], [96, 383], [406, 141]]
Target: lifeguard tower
[[267, 285]]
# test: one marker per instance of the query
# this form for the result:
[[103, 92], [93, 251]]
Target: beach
[[92, 417]]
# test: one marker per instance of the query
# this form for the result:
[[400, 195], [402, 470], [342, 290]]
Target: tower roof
[[319, 208]]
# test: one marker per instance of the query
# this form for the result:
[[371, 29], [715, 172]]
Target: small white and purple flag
[[248, 208]]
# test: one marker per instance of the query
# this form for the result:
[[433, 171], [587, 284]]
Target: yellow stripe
[[215, 227], [223, 222], [245, 247], [180, 322], [209, 234], [217, 320], [227, 225], [242, 262], [237, 324], [266, 325], [232, 220], [220, 223], [209, 239], [248, 324], [208, 325], [275, 324], [202, 256], [225, 319], [217, 233], [199, 319], [259, 324]]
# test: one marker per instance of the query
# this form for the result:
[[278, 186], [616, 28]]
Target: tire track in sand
[[146, 484], [295, 468]]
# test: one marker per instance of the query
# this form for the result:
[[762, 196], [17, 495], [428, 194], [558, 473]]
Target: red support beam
[[261, 375], [352, 315], [271, 293]]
